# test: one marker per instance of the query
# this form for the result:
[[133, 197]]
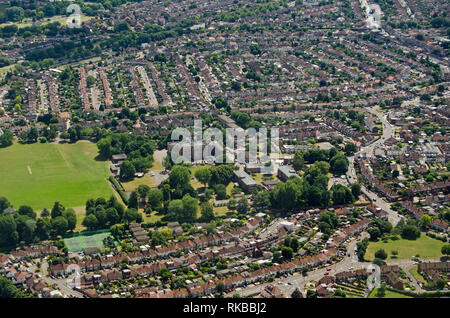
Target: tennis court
[[78, 243]]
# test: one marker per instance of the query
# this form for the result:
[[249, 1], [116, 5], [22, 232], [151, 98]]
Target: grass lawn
[[196, 184], [7, 68], [40, 174], [425, 246], [221, 210], [80, 212], [146, 179], [78, 243], [153, 217], [260, 178], [193, 169], [156, 166], [389, 294], [230, 187]]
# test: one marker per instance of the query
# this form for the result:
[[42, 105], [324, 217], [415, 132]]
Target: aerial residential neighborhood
[[224, 149]]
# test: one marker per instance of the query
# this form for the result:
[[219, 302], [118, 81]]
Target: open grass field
[[132, 185], [424, 246], [153, 217], [389, 294], [78, 243], [40, 174]]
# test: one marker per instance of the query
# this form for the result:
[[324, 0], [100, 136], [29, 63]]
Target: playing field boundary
[[85, 233]]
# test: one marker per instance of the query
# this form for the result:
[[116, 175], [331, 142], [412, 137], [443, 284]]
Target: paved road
[[388, 132]]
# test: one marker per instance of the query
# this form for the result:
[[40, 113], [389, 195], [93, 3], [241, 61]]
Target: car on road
[[326, 273]]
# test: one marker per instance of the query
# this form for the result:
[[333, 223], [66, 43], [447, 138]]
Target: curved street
[[388, 132]]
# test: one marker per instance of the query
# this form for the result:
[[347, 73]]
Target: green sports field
[[424, 246], [40, 174], [78, 243]]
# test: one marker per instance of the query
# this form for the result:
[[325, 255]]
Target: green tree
[[133, 201], [445, 249], [339, 164], [190, 208], [374, 233], [4, 204], [90, 222], [155, 198], [341, 194], [143, 191], [261, 201], [105, 148], [112, 216], [157, 238], [6, 139], [179, 177], [203, 175], [356, 190], [207, 211], [59, 225], [287, 252], [299, 162], [127, 171], [221, 192], [57, 210], [45, 212], [425, 220], [294, 244], [410, 232], [71, 217], [43, 228], [8, 231], [132, 215], [242, 205], [7, 288], [175, 209], [27, 210], [350, 149], [381, 254], [211, 227], [32, 135]]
